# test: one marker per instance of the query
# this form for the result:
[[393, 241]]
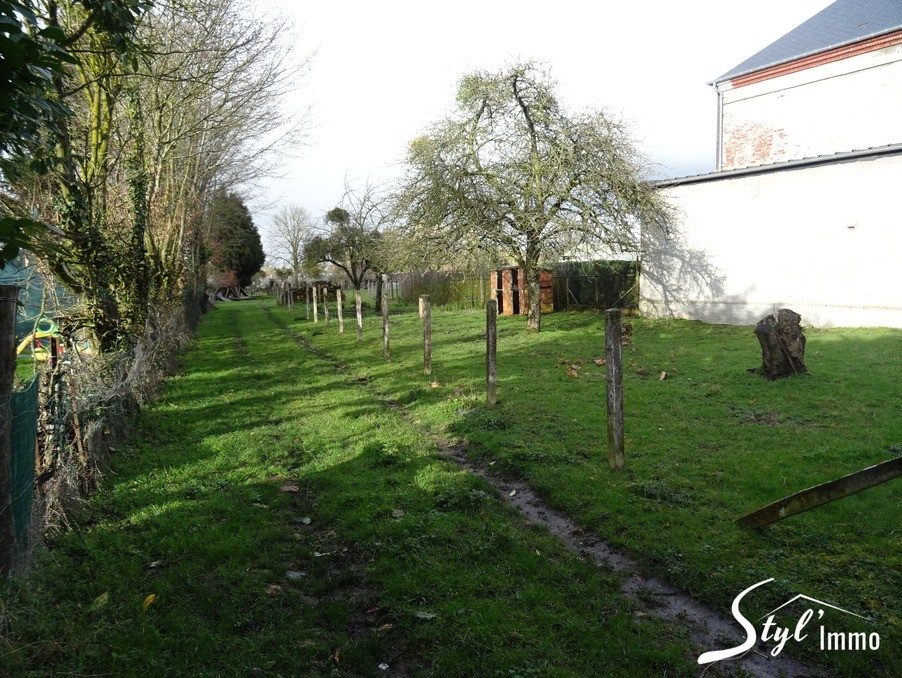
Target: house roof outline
[[813, 600], [783, 165], [845, 22]]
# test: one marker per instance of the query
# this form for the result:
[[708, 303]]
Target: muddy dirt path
[[709, 628]]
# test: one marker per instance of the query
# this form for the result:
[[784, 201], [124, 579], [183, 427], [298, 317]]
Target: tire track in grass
[[708, 628]]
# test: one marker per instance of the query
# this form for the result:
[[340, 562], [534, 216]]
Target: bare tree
[[291, 228], [214, 89], [512, 172], [352, 235], [185, 104]]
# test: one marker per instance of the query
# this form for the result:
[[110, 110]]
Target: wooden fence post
[[491, 344], [339, 309], [359, 308], [315, 305], [307, 298], [426, 314], [9, 294], [613, 345], [385, 350]]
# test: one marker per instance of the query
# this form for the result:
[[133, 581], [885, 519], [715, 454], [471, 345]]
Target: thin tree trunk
[[315, 305], [532, 273], [379, 291], [339, 310]]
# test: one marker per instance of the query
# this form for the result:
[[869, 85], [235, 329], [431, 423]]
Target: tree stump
[[782, 345]]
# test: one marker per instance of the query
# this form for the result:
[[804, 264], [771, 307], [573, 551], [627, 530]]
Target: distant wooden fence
[[577, 285]]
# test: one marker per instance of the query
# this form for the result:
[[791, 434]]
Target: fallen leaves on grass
[[100, 601], [150, 600], [291, 489]]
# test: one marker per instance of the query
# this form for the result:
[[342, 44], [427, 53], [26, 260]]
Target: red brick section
[[753, 145], [862, 47]]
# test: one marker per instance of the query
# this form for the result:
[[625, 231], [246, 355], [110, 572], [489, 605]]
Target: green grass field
[[271, 516], [705, 445]]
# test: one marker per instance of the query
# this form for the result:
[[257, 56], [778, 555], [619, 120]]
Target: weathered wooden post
[[824, 493], [339, 309], [315, 305], [9, 294], [385, 349], [307, 298], [491, 344], [426, 314], [359, 308], [613, 345]]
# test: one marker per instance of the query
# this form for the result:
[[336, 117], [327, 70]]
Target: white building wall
[[850, 104], [825, 241]]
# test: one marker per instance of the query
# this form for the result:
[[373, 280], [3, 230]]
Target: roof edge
[[730, 75], [875, 152]]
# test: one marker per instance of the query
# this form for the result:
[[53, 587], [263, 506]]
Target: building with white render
[[804, 208]]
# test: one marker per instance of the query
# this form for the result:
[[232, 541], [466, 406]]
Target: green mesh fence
[[24, 435]]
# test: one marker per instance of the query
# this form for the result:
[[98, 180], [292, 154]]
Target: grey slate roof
[[842, 23]]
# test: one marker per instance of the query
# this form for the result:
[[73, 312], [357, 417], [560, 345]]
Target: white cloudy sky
[[382, 71]]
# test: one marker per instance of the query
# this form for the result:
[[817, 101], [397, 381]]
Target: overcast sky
[[382, 71]]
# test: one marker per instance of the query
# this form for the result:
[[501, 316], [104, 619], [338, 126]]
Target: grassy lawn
[[271, 517], [703, 446]]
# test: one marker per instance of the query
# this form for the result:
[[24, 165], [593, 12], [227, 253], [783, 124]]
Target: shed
[[508, 286]]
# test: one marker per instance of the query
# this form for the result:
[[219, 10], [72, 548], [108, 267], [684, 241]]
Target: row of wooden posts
[[613, 352]]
